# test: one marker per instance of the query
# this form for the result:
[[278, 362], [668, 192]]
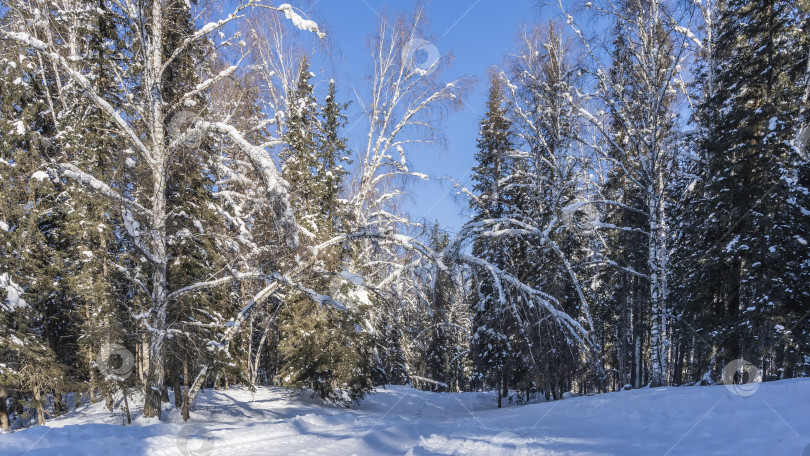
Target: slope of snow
[[774, 420]]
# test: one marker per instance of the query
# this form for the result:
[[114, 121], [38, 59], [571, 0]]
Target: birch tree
[[144, 125], [636, 121]]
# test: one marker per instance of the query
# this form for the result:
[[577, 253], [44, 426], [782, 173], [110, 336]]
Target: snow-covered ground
[[773, 421]]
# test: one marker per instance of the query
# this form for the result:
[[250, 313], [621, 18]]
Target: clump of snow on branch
[[298, 21], [14, 293]]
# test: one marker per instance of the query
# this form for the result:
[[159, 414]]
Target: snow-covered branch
[[72, 172]]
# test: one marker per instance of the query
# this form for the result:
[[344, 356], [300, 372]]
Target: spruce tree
[[89, 221], [31, 280], [494, 345], [627, 294], [300, 154], [196, 230], [749, 291], [321, 348]]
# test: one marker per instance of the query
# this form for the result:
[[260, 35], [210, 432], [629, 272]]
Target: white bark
[[647, 158]]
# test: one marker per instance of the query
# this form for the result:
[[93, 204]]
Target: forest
[[181, 208]]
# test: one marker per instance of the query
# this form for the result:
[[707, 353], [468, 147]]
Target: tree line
[[181, 208]]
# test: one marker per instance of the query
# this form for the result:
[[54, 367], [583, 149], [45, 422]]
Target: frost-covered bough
[[548, 129], [143, 125], [506, 283], [410, 283], [628, 99]]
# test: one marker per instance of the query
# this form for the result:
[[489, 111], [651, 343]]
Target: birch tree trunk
[[658, 316], [258, 357], [157, 222]]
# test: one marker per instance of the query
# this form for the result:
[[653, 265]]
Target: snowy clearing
[[404, 421]]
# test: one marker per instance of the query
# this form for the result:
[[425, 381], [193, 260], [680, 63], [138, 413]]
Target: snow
[[208, 28], [352, 277], [588, 116], [19, 126], [13, 291], [131, 225], [40, 175], [573, 207], [302, 24], [732, 243], [691, 36], [400, 420], [360, 296], [429, 380]]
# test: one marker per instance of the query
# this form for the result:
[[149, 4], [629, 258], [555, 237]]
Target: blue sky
[[479, 33]]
